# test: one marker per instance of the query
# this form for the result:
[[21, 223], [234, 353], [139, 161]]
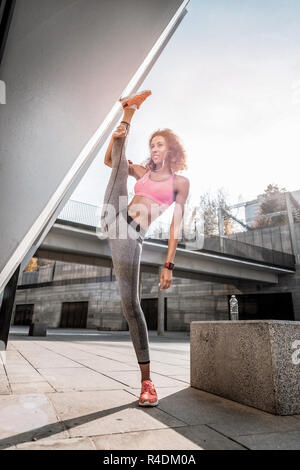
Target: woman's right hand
[[119, 132]]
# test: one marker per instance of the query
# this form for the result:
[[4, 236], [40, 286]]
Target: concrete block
[[38, 329], [256, 363]]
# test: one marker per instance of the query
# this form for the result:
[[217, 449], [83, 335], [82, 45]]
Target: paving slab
[[225, 416], [171, 359], [67, 355], [182, 359], [133, 379], [23, 417], [109, 350], [78, 355], [158, 439], [106, 365], [182, 378], [45, 359], [183, 438], [107, 412], [194, 406], [169, 369], [4, 386], [78, 378], [59, 444], [13, 358], [253, 423], [272, 441], [36, 387], [208, 439], [162, 392], [121, 358], [70, 350], [22, 373]]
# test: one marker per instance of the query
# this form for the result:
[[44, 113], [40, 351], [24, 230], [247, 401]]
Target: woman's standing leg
[[126, 256]]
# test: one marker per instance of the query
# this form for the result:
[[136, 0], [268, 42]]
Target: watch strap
[[169, 265]]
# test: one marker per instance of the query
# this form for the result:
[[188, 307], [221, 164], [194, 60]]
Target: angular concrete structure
[[256, 363], [64, 69]]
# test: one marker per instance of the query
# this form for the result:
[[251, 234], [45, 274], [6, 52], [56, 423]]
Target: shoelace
[[148, 387]]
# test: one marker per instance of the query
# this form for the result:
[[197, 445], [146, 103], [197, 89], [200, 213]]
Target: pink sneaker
[[148, 396], [135, 98]]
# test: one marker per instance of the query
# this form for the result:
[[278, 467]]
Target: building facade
[[63, 294]]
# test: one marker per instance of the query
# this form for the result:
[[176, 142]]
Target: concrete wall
[[274, 238], [104, 306], [188, 300]]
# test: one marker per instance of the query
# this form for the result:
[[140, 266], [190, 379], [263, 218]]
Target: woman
[[157, 187]]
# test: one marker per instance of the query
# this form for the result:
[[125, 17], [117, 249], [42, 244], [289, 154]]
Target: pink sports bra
[[159, 191]]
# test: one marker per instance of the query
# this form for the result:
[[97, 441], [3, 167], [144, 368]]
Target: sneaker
[[148, 396], [135, 99]]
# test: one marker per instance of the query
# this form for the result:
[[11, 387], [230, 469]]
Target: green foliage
[[271, 201]]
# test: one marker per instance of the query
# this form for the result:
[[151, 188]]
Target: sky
[[228, 84]]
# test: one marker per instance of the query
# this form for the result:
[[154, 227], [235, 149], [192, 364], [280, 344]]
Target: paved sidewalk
[[79, 390]]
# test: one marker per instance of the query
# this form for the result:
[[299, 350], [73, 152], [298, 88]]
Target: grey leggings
[[125, 252]]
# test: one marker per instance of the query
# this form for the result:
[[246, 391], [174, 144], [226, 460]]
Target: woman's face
[[158, 149]]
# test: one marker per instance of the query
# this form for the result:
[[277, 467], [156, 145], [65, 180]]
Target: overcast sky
[[228, 83]]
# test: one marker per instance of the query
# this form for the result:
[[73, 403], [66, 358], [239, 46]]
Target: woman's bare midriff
[[144, 210]]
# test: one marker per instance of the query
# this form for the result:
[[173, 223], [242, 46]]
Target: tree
[[273, 200], [208, 207], [32, 266]]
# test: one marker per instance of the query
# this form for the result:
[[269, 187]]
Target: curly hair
[[176, 158]]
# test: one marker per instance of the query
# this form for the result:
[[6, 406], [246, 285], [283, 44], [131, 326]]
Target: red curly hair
[[176, 159]]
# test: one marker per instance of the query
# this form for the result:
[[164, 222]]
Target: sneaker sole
[[126, 98], [147, 403]]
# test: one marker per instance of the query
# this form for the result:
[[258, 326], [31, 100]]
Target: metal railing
[[240, 250]]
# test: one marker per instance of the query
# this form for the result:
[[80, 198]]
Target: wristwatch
[[169, 265]]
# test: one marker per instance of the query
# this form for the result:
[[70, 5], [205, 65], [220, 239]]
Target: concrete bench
[[38, 329], [256, 363]]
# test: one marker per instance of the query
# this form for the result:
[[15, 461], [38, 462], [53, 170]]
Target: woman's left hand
[[165, 279]]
